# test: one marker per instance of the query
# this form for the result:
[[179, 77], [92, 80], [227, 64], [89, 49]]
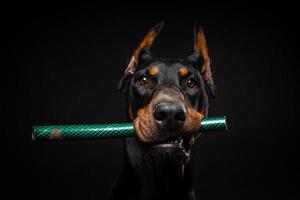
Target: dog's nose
[[169, 116]]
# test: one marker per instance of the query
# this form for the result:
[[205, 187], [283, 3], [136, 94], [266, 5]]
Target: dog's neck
[[169, 180], [173, 181], [169, 177]]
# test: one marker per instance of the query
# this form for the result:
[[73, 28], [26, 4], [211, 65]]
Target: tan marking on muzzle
[[193, 120], [145, 126]]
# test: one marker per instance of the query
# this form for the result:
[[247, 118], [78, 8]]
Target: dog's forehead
[[169, 69]]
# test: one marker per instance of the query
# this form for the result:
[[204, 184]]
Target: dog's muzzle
[[168, 125], [169, 116]]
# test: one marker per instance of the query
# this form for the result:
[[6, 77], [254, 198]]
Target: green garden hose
[[117, 130]]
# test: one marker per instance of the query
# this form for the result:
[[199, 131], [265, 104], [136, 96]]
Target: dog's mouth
[[173, 150], [168, 145]]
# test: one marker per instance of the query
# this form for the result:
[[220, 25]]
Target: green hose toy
[[117, 130]]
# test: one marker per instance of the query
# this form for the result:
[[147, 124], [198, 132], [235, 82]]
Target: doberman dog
[[166, 100]]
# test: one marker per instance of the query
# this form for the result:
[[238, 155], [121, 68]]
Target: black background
[[64, 63]]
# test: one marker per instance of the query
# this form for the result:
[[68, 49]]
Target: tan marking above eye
[[183, 71], [153, 71]]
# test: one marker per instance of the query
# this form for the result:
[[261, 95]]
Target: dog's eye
[[191, 83], [142, 81]]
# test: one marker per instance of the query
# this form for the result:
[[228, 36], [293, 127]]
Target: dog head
[[168, 98]]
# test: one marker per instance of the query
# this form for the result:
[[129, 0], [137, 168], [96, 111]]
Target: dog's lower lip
[[175, 144]]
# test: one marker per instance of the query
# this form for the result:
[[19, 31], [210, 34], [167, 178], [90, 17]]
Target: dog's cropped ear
[[201, 58], [143, 49]]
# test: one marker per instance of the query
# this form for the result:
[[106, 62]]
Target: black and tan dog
[[166, 99]]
